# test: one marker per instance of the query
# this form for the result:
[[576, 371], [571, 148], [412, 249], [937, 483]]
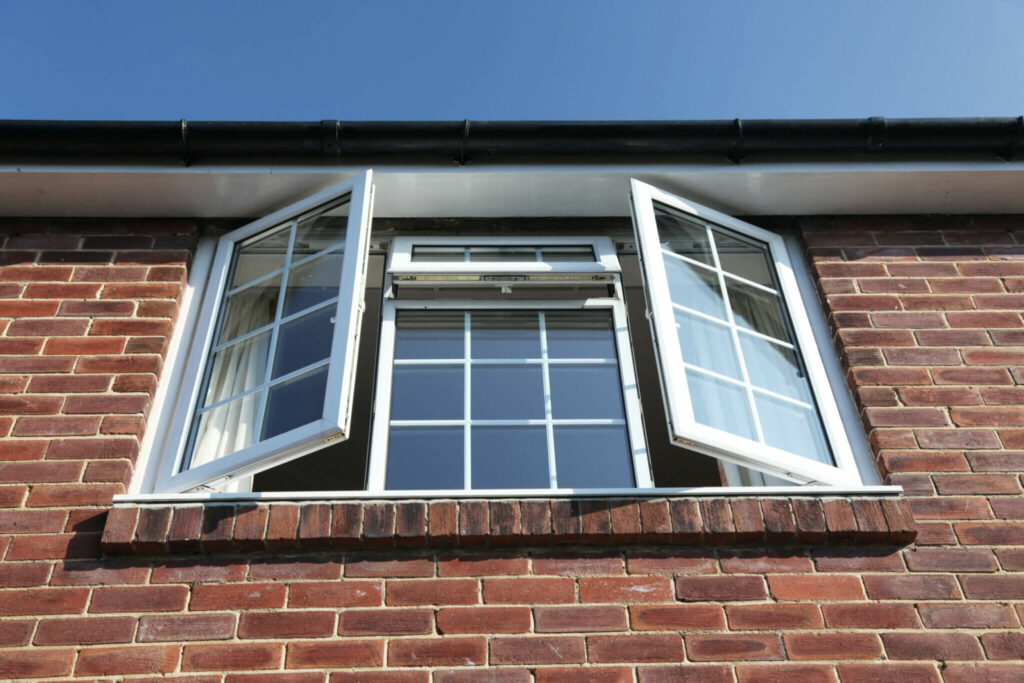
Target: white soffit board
[[776, 189]]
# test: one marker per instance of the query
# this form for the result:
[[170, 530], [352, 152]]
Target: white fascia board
[[518, 190]]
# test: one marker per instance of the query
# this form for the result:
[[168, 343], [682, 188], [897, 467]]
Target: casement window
[[502, 363]]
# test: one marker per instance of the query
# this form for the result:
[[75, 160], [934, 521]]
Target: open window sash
[[305, 276], [740, 372]]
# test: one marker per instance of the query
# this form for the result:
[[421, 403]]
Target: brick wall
[[928, 320]]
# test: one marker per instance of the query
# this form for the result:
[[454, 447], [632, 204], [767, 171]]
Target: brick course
[[926, 314]]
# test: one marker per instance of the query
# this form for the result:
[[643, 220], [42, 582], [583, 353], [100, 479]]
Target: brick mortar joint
[[217, 527]]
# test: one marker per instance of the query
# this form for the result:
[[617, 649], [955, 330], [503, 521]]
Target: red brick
[[483, 620], [645, 648], [410, 524], [578, 564], [239, 597], [626, 589], [207, 569], [442, 522], [711, 588], [537, 650], [470, 651], [529, 591], [686, 673], [75, 495], [1003, 645], [589, 674], [387, 676], [474, 526], [184, 627], [121, 660], [958, 615], [15, 634], [139, 599], [477, 564], [671, 562], [383, 566], [914, 587], [23, 574], [336, 594], [34, 472], [85, 631], [31, 521], [959, 507], [386, 622], [773, 617], [35, 663], [869, 615], [803, 646], [925, 461], [992, 533], [109, 274], [20, 601], [314, 525], [92, 449], [990, 672], [282, 526], [942, 646], [286, 624], [56, 426], [655, 520], [432, 592], [676, 617], [250, 525], [1002, 587], [718, 524], [957, 438], [290, 569], [951, 560], [816, 587], [233, 656], [791, 673], [733, 647], [760, 561], [578, 619]]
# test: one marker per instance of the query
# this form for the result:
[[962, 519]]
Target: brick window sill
[[260, 527]]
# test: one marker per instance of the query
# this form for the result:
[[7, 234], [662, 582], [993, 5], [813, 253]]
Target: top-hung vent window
[[271, 366], [740, 371]]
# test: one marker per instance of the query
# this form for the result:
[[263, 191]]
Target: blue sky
[[515, 59]]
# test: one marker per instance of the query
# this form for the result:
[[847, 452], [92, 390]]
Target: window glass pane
[[512, 334], [438, 254], [585, 391], [792, 428], [694, 287], [260, 256], [225, 429], [430, 334], [580, 334], [427, 392], [507, 392], [237, 368], [774, 367], [683, 234], [491, 254], [424, 458], [304, 341], [593, 457], [510, 458], [250, 309], [316, 233], [567, 254], [707, 344], [313, 282], [295, 403], [757, 310], [744, 257], [721, 404]]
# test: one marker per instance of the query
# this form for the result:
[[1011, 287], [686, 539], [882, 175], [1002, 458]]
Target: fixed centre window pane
[[507, 335], [580, 334], [586, 392], [295, 402], [509, 458], [304, 341], [427, 392], [593, 456], [507, 392], [425, 458], [430, 335]]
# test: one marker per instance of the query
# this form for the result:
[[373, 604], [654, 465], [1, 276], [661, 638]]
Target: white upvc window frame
[[683, 427], [334, 423], [401, 264]]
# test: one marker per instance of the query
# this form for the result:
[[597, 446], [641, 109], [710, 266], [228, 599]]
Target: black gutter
[[467, 141]]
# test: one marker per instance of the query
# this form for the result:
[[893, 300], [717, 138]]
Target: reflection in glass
[[694, 287], [593, 457], [260, 256], [721, 404], [304, 341], [683, 234], [439, 254], [316, 233], [580, 334], [509, 458], [506, 335], [494, 254], [567, 254], [774, 367], [425, 458], [507, 392], [585, 392], [295, 403], [429, 334], [757, 310], [228, 428], [250, 309], [744, 257], [707, 344], [313, 282], [792, 428], [427, 392], [237, 368]]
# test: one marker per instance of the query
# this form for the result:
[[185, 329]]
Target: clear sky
[[514, 59]]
